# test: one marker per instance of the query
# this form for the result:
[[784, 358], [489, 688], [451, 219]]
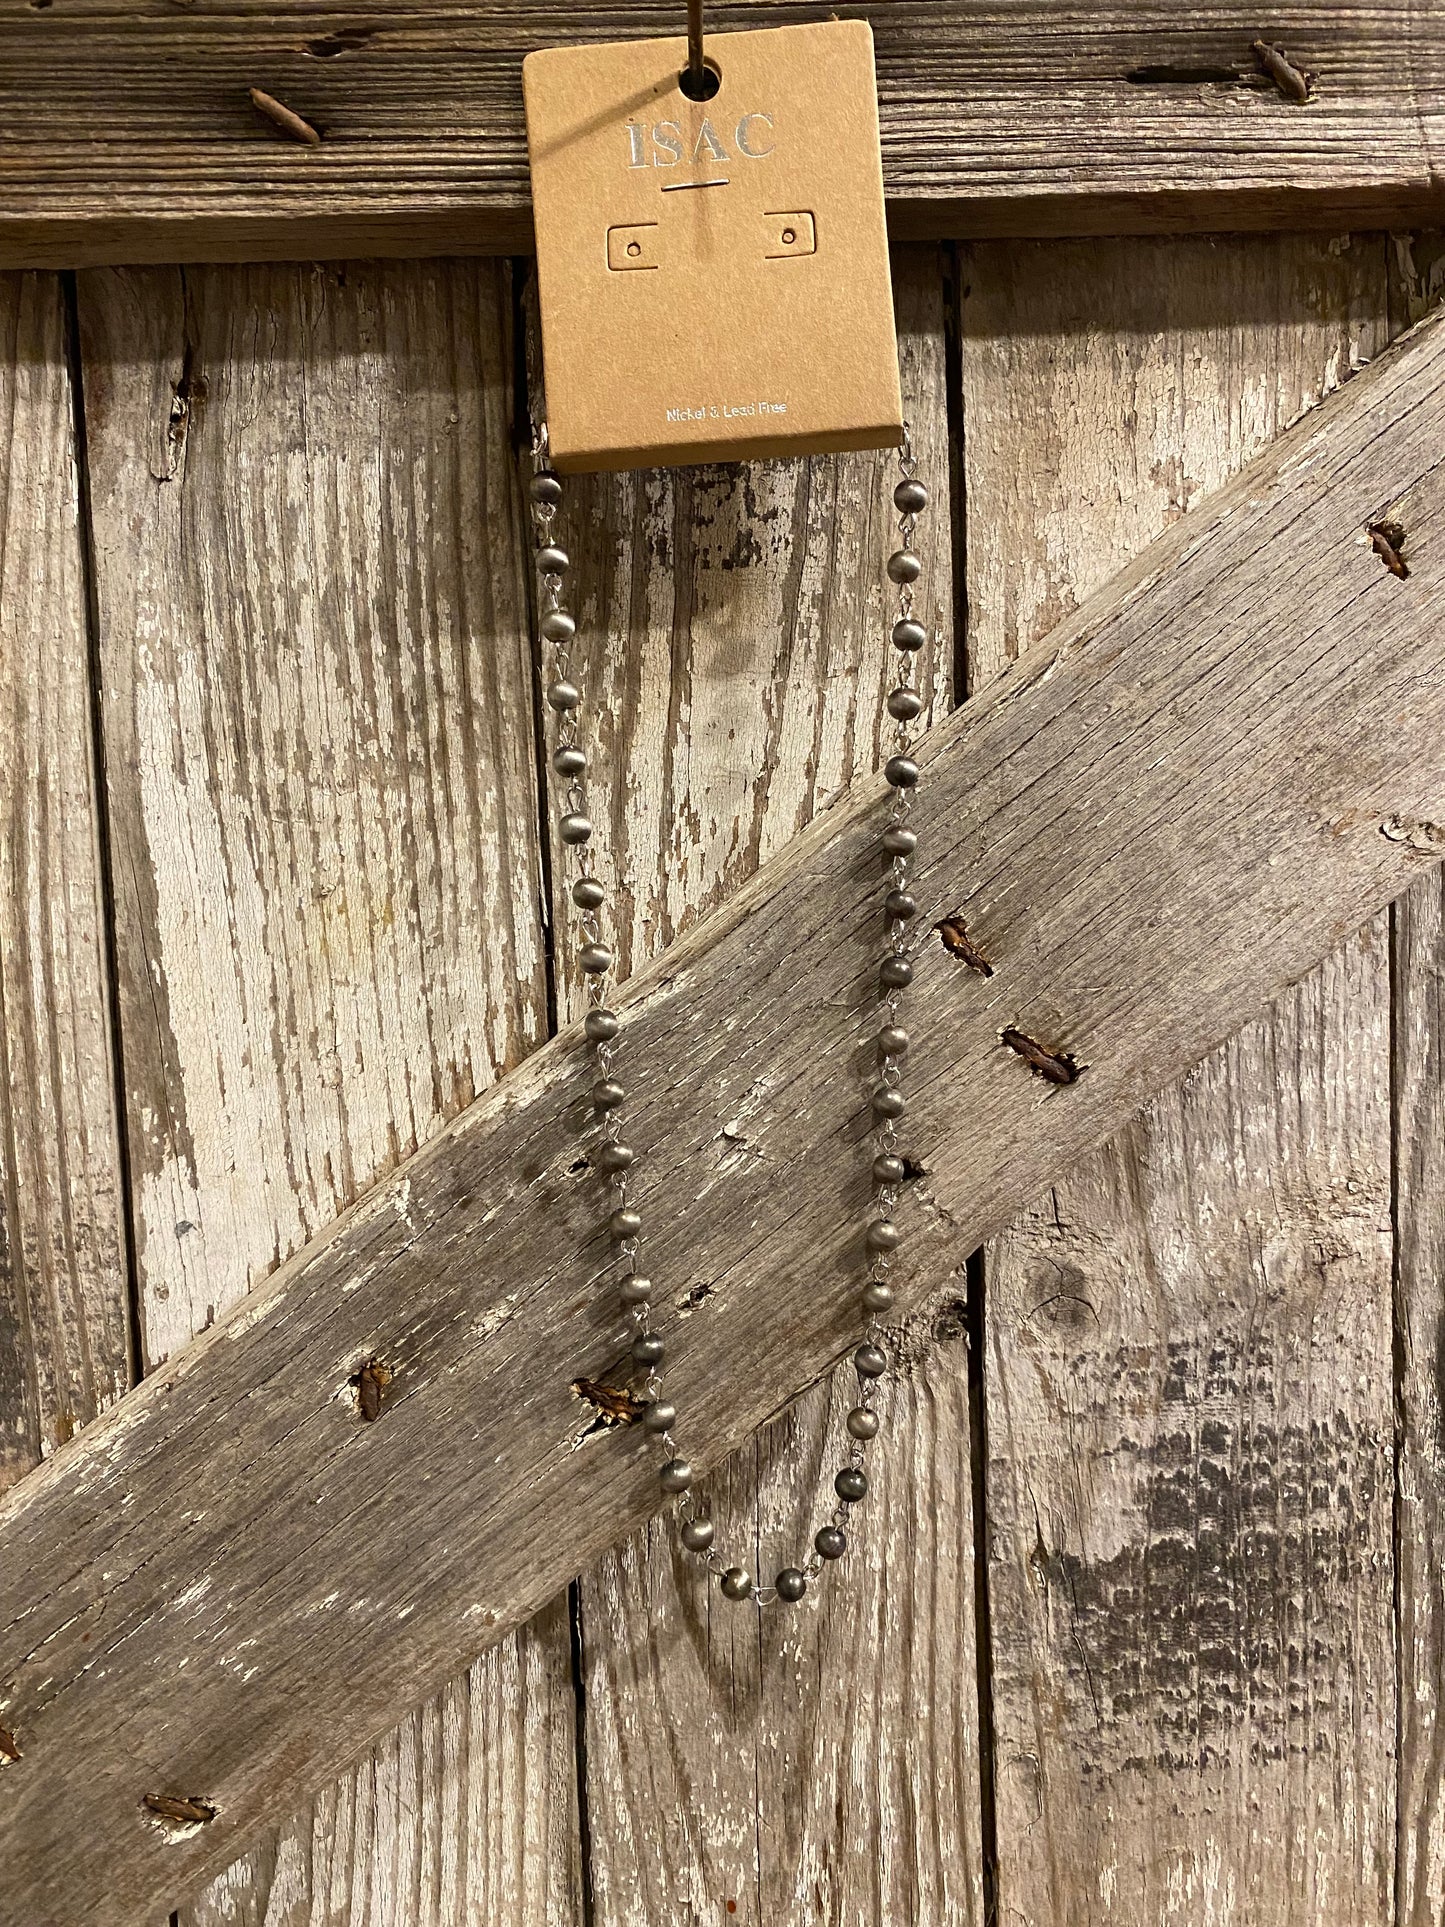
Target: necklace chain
[[615, 1158]]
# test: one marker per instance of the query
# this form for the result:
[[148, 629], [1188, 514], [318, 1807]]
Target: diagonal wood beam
[[130, 134], [1151, 824]]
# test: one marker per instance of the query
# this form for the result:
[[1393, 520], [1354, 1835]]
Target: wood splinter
[[1387, 539], [1057, 1067], [958, 943], [614, 1403], [1293, 82], [9, 1747], [283, 117]]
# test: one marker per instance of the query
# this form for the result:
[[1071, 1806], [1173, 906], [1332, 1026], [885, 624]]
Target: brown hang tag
[[713, 274]]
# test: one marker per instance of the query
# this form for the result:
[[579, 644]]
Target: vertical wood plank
[[1189, 1398], [318, 713], [1418, 937], [823, 1767], [63, 1288]]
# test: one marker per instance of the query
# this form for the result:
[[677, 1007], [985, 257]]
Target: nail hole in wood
[[1055, 1067], [345, 41], [613, 1403]]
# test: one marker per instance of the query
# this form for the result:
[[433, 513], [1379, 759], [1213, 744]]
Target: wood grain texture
[[1418, 948], [733, 647], [998, 117], [1153, 821], [323, 796], [1189, 1370], [63, 1290]]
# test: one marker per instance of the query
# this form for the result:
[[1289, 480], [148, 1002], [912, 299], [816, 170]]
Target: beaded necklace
[[615, 1158]]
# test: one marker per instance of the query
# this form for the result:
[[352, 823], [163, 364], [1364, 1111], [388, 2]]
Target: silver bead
[[901, 771], [593, 957], [908, 634], [851, 1484], [675, 1476], [558, 626], [616, 1157], [635, 1290], [888, 1169], [910, 497], [899, 842], [601, 1025], [575, 827], [904, 566], [697, 1534], [893, 1040], [659, 1416], [895, 973], [607, 1094], [790, 1585], [870, 1361], [877, 1296], [553, 560], [888, 1102], [563, 695], [737, 1583], [904, 703], [863, 1422], [569, 760], [546, 489], [830, 1542], [900, 903], [625, 1223], [647, 1349], [884, 1235], [588, 894]]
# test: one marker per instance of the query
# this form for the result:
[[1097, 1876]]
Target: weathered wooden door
[[1144, 1626]]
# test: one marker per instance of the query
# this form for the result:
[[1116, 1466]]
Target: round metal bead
[[575, 827], [635, 1290], [904, 566], [737, 1583], [901, 771], [553, 560], [625, 1224], [910, 497], [895, 973], [863, 1422], [659, 1415], [600, 1025], [888, 1169], [647, 1349], [588, 894], [907, 633], [899, 903], [616, 1157], [697, 1534], [830, 1542], [900, 842], [558, 626], [563, 695], [546, 488], [888, 1102], [904, 703], [569, 760], [675, 1475], [877, 1296], [595, 958], [790, 1584], [893, 1040], [607, 1094], [851, 1483], [884, 1235], [869, 1361]]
